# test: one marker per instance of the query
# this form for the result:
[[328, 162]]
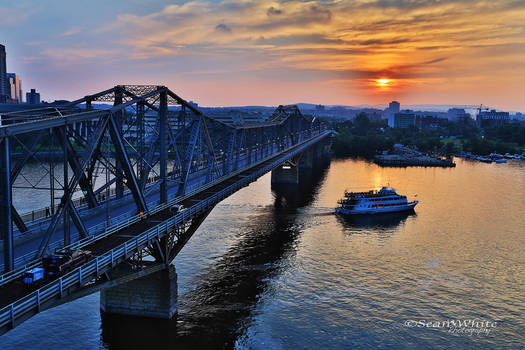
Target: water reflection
[[379, 221], [131, 332], [291, 197], [217, 313]]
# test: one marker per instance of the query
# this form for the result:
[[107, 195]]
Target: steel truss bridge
[[115, 173]]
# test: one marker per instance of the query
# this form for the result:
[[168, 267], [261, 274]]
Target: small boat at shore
[[386, 200]]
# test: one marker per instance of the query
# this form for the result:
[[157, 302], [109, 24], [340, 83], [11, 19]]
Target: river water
[[276, 269]]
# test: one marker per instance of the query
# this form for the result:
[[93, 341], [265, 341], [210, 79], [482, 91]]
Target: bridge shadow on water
[[219, 311]]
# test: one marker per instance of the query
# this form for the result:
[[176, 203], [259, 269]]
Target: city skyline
[[227, 53]]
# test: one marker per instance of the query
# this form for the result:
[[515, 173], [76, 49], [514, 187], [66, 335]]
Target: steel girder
[[127, 167], [169, 246], [240, 144], [77, 221], [210, 148], [6, 204], [141, 145], [190, 150], [163, 154], [118, 120], [88, 153], [227, 166], [72, 159], [197, 145], [177, 162], [26, 155], [148, 159]]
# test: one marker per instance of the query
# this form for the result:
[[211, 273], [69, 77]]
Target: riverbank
[[396, 160]]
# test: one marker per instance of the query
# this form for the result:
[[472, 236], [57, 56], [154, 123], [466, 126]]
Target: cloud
[[297, 40], [11, 16], [76, 55], [413, 41], [402, 39], [223, 28], [272, 11], [72, 31]]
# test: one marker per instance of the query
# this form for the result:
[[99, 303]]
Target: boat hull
[[373, 211]]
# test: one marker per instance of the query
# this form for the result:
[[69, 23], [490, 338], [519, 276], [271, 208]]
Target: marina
[[402, 156]]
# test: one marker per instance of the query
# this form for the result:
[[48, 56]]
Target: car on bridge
[[34, 275], [175, 209], [63, 261]]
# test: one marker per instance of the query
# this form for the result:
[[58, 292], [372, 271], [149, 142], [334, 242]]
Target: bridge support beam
[[154, 295], [293, 171], [6, 203], [119, 189], [163, 125], [308, 158]]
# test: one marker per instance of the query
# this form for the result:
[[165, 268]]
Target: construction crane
[[482, 108]]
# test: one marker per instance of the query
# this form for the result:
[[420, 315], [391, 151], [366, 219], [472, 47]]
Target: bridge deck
[[15, 291]]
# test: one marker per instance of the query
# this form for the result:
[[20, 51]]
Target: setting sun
[[383, 82]]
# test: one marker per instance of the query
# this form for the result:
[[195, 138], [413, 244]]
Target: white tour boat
[[386, 200]]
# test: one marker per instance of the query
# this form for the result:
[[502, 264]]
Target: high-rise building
[[390, 112], [394, 107], [15, 87], [33, 97], [4, 93]]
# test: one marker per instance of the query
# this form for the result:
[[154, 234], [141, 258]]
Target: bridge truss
[[139, 154], [151, 148]]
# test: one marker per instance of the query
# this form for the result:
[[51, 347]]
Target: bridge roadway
[[95, 218], [19, 302]]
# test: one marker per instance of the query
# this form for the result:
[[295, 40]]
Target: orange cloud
[[338, 48]]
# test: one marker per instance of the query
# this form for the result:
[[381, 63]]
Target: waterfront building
[[492, 118], [457, 114], [33, 97], [404, 119], [519, 117], [427, 122]]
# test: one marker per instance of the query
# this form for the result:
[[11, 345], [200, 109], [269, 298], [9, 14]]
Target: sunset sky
[[246, 52]]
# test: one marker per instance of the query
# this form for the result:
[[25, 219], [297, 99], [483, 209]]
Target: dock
[[402, 156]]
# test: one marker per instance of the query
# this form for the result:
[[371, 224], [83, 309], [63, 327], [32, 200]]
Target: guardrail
[[46, 212], [89, 240], [132, 219], [45, 296], [28, 260]]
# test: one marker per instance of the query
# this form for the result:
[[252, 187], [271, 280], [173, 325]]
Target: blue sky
[[265, 52]]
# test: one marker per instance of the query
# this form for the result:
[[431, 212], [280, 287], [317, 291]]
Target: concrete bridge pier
[[285, 174], [292, 172], [154, 295]]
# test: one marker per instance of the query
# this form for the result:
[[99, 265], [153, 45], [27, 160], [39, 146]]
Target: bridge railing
[[47, 295], [127, 219], [87, 241]]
